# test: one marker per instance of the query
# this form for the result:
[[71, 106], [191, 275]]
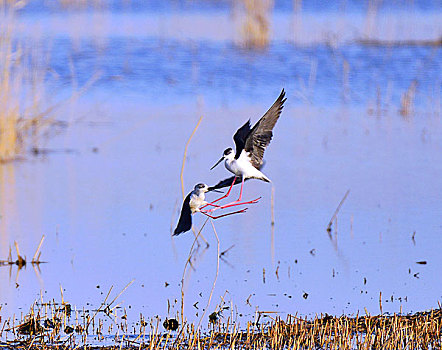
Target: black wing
[[240, 138], [227, 183], [185, 221], [260, 136]]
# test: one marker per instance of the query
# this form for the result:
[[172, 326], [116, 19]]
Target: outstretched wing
[[185, 221], [240, 138], [261, 134], [227, 183]]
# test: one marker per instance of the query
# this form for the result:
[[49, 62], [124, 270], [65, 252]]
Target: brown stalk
[[34, 260], [337, 210]]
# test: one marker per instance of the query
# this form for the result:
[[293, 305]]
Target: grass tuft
[[256, 26]]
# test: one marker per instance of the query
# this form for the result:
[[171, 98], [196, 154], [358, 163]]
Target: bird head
[[227, 154], [201, 187]]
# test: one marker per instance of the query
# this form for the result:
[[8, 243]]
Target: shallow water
[[107, 208]]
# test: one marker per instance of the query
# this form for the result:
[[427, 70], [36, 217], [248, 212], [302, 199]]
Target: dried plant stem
[[109, 305], [182, 172], [21, 261], [38, 249], [272, 239], [421, 330], [22, 116], [215, 279], [380, 302], [337, 210], [256, 25], [185, 155], [188, 262], [124, 289]]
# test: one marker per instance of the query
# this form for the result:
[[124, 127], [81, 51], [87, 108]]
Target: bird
[[250, 144], [195, 202]]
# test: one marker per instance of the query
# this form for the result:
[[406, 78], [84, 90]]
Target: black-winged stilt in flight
[[250, 144]]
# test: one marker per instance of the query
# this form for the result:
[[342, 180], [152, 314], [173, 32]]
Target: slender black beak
[[217, 191], [222, 158]]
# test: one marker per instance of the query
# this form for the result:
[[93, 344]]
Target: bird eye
[[227, 151]]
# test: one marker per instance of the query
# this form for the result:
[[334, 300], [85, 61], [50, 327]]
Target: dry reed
[[255, 30], [407, 100], [21, 92], [182, 173], [25, 114], [43, 328], [334, 217]]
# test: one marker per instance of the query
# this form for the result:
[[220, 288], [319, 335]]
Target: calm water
[[108, 214]]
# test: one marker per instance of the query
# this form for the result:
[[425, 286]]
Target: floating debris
[[49, 323], [170, 324], [213, 317], [30, 327]]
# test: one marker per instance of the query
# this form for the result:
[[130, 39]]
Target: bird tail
[[265, 178]]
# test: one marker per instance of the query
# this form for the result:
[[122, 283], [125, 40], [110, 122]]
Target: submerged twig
[[226, 251], [337, 210], [20, 260]]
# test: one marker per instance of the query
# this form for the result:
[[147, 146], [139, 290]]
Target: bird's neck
[[199, 194], [229, 161]]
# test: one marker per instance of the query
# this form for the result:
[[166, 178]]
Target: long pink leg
[[221, 216], [226, 195], [235, 203], [211, 204], [240, 192]]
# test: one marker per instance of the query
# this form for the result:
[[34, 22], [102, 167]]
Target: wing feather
[[185, 221], [226, 183], [240, 138], [261, 134]]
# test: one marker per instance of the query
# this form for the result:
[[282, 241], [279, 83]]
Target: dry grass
[[81, 4], [255, 30], [58, 326], [22, 118], [26, 116], [407, 100]]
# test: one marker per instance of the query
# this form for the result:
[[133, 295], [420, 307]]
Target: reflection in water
[[11, 218], [8, 206]]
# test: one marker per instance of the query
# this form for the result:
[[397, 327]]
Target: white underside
[[196, 201], [243, 167]]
